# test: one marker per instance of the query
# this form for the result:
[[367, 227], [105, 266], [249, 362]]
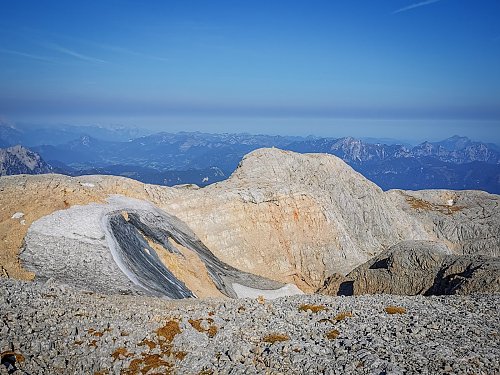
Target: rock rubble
[[53, 328]]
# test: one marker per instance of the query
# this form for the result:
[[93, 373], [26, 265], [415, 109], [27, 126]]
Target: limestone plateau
[[283, 225]]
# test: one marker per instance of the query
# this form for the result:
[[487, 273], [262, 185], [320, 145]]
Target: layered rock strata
[[119, 247]]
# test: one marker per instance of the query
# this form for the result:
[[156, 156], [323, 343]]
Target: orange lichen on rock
[[93, 332], [420, 204], [395, 310], [180, 355], [93, 343], [312, 308], [333, 334], [211, 331], [151, 344], [161, 362], [147, 363], [275, 337], [169, 330], [121, 353], [343, 315]]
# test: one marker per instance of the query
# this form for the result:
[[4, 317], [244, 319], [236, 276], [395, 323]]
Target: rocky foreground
[[49, 328]]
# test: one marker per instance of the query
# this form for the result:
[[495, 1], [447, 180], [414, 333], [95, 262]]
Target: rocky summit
[[18, 160], [243, 259]]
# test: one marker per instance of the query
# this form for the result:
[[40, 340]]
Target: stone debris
[[17, 215], [51, 328]]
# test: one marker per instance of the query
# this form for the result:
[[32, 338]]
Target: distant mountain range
[[36, 135], [455, 163], [457, 150], [202, 158]]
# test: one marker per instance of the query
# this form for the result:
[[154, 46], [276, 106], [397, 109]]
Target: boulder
[[419, 267]]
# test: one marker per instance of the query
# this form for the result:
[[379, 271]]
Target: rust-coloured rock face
[[40, 195]]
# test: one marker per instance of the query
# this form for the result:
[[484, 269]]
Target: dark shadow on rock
[[445, 285], [382, 263], [9, 361], [346, 288]]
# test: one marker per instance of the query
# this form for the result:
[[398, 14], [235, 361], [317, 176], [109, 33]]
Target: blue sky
[[399, 68]]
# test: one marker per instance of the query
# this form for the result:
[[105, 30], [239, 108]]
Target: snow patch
[[243, 291], [18, 215], [450, 202], [88, 184]]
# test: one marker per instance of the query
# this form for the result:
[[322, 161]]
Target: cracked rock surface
[[294, 218], [419, 267]]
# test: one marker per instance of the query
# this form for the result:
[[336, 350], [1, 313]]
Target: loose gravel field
[[49, 328]]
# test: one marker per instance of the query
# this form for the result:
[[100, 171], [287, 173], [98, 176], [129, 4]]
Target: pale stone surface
[[55, 329], [293, 217], [246, 292], [17, 215], [471, 225]]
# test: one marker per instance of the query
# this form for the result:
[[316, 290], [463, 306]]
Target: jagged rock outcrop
[[20, 160], [294, 218], [419, 267]]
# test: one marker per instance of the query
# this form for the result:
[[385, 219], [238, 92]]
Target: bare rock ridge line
[[134, 232], [315, 214], [419, 267], [468, 221], [289, 217]]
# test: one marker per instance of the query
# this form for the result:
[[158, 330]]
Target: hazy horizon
[[399, 69], [343, 129]]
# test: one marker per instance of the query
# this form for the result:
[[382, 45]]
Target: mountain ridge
[[454, 163]]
